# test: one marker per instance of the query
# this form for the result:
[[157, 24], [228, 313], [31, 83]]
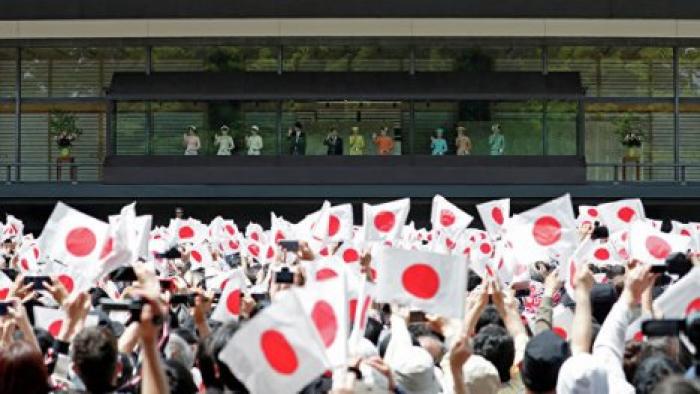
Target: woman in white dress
[[254, 141], [224, 142], [191, 142]]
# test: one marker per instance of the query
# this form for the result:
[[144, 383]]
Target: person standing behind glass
[[497, 141], [334, 143], [254, 141], [224, 141], [356, 143], [297, 140], [464, 144], [384, 143], [438, 144], [191, 141]]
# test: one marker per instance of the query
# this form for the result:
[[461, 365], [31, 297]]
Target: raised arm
[[582, 330]]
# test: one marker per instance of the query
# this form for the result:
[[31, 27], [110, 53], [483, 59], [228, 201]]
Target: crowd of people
[[542, 301], [383, 142]]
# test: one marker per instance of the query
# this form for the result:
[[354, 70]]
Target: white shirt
[[255, 144]]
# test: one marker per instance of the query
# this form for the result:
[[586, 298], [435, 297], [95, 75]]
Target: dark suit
[[297, 144], [335, 146]]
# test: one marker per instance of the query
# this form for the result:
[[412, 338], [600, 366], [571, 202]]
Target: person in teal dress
[[438, 144], [497, 142]]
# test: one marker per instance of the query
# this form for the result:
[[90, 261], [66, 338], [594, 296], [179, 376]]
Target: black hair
[[677, 385], [94, 354], [495, 344], [208, 360], [490, 315], [180, 379], [653, 370]]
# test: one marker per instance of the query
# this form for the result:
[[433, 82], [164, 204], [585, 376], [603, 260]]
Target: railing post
[[8, 174], [683, 169], [616, 178]]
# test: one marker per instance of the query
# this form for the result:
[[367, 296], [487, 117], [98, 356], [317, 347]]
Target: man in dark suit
[[297, 140], [334, 143]]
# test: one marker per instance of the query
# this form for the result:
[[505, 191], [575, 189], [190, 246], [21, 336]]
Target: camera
[[133, 306], [690, 326], [284, 275]]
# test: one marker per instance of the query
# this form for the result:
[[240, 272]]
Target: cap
[[255, 127], [544, 355], [192, 127], [480, 376], [224, 128], [583, 373], [603, 297]]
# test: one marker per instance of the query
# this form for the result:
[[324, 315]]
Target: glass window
[[606, 125], [561, 125], [8, 136], [130, 129], [8, 72], [444, 58], [617, 71], [519, 124], [690, 139], [40, 152], [364, 127], [346, 58], [76, 72], [689, 72], [214, 58]]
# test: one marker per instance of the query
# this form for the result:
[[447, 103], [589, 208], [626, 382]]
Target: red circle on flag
[[325, 273], [467, 251], [25, 264], [450, 244], [384, 221], [186, 232], [55, 328], [255, 236], [626, 214], [352, 308], [325, 321], [592, 212], [324, 251], [693, 306], [270, 252], [223, 284], [497, 215], [350, 255], [230, 229], [601, 254], [107, 248], [278, 352], [254, 250], [447, 218], [638, 336], [489, 271], [421, 281], [333, 225], [36, 252], [4, 293], [363, 313], [80, 241], [485, 248], [233, 302], [561, 332], [279, 235], [685, 233], [67, 282], [657, 247], [196, 256], [547, 230], [233, 245]]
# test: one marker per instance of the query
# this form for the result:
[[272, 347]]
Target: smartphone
[[290, 245], [416, 317], [284, 275], [123, 274], [260, 297], [3, 307], [659, 268], [37, 282], [184, 298]]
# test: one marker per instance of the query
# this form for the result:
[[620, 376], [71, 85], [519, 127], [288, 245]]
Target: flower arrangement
[[631, 140], [65, 131], [627, 128]]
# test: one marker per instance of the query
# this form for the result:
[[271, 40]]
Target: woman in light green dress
[[497, 142]]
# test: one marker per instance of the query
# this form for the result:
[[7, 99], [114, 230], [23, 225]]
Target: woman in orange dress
[[384, 143]]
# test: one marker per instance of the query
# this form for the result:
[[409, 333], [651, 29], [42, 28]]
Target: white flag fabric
[[651, 246], [340, 223], [493, 215], [281, 229], [52, 320], [385, 221], [433, 282], [562, 321], [681, 298], [255, 232], [326, 304], [14, 228], [278, 351], [447, 217], [5, 286], [190, 231], [587, 215], [574, 263], [229, 306], [619, 215]]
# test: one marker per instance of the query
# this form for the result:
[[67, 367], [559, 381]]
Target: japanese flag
[[340, 222], [358, 311], [447, 217], [325, 303], [229, 306], [433, 282], [52, 320], [281, 229], [71, 236], [28, 257], [385, 221], [689, 230], [200, 257], [5, 286], [349, 252], [651, 246], [326, 268], [142, 229], [120, 250], [681, 298], [13, 228], [604, 254], [255, 232], [562, 321], [278, 351], [190, 231], [588, 215], [493, 215], [73, 278], [619, 215], [544, 232], [574, 263], [230, 245]]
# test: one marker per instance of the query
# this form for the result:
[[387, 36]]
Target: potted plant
[[65, 131], [631, 137]]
